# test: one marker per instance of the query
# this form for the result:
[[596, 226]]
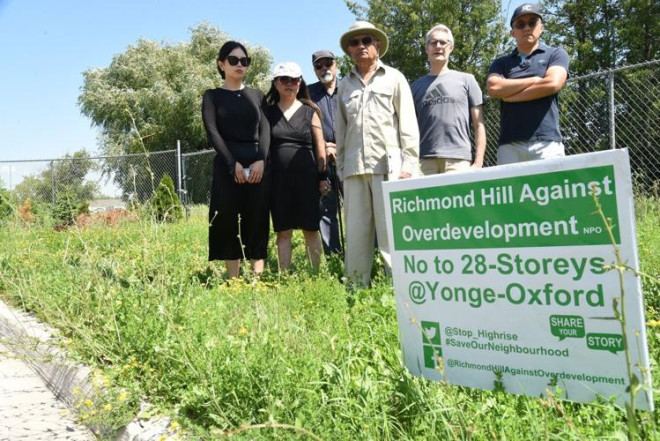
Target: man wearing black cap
[[324, 94], [528, 81]]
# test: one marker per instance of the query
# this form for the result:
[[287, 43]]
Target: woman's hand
[[239, 174], [256, 172]]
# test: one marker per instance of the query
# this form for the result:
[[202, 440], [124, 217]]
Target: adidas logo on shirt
[[435, 97]]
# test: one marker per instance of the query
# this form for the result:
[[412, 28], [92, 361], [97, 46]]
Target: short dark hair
[[225, 50]]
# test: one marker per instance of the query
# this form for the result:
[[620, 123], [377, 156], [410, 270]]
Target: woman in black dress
[[238, 130], [298, 161]]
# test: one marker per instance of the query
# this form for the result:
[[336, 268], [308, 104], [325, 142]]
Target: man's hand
[[331, 151], [404, 175], [324, 187], [500, 87], [551, 83]]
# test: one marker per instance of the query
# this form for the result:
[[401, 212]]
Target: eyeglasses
[[233, 60], [324, 64], [520, 25], [440, 43], [366, 41], [289, 80]]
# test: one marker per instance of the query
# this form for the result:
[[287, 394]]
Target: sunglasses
[[234, 60], [289, 80], [323, 64], [520, 25], [366, 41]]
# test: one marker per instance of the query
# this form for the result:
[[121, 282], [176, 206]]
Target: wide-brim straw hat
[[362, 28]]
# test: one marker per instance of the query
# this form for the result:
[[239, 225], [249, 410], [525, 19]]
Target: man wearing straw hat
[[377, 139]]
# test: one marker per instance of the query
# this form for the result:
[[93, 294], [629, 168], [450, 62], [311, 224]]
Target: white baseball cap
[[287, 69]]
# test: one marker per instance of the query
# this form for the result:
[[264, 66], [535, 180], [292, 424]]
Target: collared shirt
[[328, 105], [372, 118], [536, 120]]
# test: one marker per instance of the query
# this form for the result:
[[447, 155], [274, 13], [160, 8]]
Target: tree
[[601, 35], [5, 203], [586, 30], [165, 204], [150, 96], [604, 34], [639, 27], [65, 176], [477, 27]]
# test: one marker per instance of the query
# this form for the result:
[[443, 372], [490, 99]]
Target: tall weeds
[[289, 356]]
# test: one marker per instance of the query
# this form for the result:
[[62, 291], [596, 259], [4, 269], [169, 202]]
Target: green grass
[[140, 302]]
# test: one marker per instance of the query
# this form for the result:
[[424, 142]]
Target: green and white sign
[[499, 276]]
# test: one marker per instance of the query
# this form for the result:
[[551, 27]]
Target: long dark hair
[[273, 96], [225, 50]]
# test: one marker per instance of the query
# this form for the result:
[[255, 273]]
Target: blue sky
[[46, 45]]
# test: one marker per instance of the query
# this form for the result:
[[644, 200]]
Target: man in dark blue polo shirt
[[527, 81], [324, 94]]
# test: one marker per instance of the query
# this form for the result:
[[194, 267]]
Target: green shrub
[[166, 204], [5, 204], [67, 208]]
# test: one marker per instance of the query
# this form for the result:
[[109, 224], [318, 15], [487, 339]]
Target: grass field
[[296, 353]]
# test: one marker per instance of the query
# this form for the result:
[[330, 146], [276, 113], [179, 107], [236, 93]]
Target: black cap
[[322, 54], [524, 9]]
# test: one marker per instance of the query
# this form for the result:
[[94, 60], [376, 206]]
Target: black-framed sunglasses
[[234, 60], [520, 25], [289, 80], [366, 41], [324, 64]]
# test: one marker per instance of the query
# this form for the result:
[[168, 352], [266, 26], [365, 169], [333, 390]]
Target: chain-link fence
[[106, 181], [619, 108]]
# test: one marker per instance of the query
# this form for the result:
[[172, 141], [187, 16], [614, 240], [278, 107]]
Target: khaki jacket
[[372, 118]]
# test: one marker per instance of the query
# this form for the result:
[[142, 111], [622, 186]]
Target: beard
[[327, 77]]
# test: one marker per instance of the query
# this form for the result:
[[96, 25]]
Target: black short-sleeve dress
[[235, 120], [295, 181]]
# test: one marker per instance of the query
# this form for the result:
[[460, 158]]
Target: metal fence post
[[184, 177], [178, 169], [610, 86], [52, 181]]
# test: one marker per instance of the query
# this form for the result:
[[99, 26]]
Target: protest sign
[[500, 278]]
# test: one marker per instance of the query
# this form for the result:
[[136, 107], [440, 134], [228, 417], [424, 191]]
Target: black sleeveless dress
[[295, 181]]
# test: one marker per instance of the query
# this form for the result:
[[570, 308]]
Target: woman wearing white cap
[[298, 162], [238, 130]]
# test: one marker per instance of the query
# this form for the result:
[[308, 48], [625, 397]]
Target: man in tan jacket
[[376, 131]]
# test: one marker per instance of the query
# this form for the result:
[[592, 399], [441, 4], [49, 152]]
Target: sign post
[[501, 278]]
